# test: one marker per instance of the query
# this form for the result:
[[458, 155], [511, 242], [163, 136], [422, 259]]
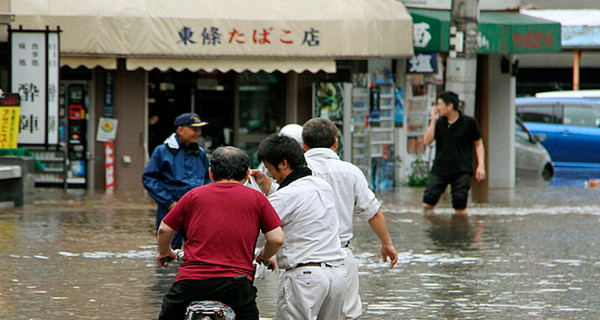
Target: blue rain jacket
[[174, 170]]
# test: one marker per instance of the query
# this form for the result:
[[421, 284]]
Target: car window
[[596, 116], [580, 115], [540, 113], [521, 133]]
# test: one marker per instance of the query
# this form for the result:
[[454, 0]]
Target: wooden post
[[576, 64]]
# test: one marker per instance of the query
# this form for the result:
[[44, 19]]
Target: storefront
[[502, 36], [577, 66], [247, 68]]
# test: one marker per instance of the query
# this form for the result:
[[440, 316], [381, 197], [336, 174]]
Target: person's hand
[[259, 176], [165, 264], [389, 251], [434, 113], [479, 173], [172, 205], [153, 120], [270, 263], [262, 180]]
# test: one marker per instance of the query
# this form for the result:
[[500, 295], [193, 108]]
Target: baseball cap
[[189, 120]]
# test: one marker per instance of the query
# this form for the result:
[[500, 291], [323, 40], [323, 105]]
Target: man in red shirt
[[221, 221]]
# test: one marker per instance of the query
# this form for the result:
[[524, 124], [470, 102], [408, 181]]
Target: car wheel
[[548, 172]]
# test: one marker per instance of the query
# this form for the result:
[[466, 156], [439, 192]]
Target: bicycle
[[206, 309]]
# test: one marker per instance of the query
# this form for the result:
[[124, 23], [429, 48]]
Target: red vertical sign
[[109, 166]]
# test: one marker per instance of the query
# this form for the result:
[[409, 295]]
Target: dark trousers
[[238, 293], [161, 213], [460, 184]]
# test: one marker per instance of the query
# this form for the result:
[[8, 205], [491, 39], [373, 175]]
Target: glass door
[[260, 109]]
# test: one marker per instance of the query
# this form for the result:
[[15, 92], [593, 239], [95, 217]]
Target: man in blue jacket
[[176, 167]]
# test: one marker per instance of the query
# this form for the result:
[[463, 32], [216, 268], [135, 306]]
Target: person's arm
[[164, 238], [274, 241], [430, 133], [379, 226], [479, 152]]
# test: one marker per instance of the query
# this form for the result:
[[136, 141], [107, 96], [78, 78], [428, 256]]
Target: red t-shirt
[[221, 223]]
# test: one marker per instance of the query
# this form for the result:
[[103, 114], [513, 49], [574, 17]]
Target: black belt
[[311, 264]]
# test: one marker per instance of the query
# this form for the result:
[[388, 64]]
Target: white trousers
[[310, 293], [352, 303]]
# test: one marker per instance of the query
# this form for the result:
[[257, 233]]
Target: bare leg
[[460, 211], [428, 210]]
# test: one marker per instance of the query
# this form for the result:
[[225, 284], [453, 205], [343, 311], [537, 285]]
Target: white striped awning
[[266, 35], [232, 65]]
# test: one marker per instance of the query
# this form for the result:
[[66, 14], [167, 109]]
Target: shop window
[[261, 108]]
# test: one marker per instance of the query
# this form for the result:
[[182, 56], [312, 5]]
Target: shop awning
[[89, 62], [277, 30], [499, 32], [232, 65], [580, 28]]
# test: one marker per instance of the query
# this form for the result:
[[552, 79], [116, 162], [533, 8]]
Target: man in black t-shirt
[[455, 135]]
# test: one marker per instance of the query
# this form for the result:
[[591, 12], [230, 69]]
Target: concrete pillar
[[130, 100], [461, 75], [501, 130], [461, 71]]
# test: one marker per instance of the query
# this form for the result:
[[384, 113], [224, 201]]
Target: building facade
[[246, 68]]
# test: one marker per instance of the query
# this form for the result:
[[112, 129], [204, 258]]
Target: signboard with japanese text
[[109, 166], [53, 85], [206, 39], [35, 76], [109, 106], [226, 29], [28, 70], [9, 121], [518, 39], [422, 62], [498, 32]]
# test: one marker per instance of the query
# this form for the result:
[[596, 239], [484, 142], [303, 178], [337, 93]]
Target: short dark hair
[[449, 97], [229, 163], [277, 148], [319, 133]]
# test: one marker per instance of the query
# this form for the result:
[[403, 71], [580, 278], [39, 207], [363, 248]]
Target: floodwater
[[526, 253]]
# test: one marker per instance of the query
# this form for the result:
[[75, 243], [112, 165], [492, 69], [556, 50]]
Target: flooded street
[[530, 252]]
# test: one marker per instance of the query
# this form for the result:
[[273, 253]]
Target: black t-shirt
[[454, 145]]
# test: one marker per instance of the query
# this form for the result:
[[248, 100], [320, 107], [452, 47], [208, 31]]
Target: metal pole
[[576, 67]]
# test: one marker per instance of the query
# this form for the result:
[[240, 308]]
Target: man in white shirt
[[312, 286], [352, 195]]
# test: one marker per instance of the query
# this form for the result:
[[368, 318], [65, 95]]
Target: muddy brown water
[[86, 256]]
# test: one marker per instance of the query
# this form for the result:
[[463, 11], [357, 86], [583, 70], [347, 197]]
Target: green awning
[[499, 32]]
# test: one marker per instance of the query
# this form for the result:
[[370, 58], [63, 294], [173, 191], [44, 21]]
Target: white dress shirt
[[352, 193], [310, 223]]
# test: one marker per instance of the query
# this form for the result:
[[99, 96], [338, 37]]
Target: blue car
[[571, 127]]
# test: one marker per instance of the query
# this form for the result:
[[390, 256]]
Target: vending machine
[[76, 135]]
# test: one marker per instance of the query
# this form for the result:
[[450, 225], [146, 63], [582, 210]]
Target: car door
[[542, 118], [579, 136], [524, 157]]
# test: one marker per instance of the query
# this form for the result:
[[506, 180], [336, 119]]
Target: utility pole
[[461, 68]]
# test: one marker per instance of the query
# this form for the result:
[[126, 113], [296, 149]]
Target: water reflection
[[454, 232]]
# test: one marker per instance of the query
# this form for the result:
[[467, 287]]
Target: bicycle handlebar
[[165, 261]]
